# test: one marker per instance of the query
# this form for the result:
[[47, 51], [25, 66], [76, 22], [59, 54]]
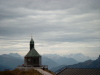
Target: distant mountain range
[[79, 57], [61, 60], [9, 62], [53, 61], [87, 64], [49, 62], [12, 60], [16, 55]]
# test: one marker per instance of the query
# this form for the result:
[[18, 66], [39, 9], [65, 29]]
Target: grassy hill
[[19, 72]]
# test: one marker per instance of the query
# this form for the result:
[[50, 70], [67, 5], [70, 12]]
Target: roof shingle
[[32, 53]]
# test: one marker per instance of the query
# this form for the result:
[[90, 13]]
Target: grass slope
[[19, 72]]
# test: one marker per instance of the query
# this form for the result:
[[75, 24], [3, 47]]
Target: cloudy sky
[[57, 26]]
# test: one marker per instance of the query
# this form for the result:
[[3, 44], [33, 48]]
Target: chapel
[[32, 58]]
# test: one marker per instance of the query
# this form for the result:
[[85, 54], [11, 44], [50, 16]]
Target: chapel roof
[[32, 53]]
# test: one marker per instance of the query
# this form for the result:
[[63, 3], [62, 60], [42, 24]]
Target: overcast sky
[[58, 26]]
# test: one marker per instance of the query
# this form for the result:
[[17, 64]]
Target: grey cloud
[[11, 7], [75, 38], [83, 31], [52, 21]]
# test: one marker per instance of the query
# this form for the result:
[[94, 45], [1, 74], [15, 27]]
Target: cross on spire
[[31, 43], [31, 36]]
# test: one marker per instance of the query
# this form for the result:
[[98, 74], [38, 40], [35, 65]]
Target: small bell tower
[[31, 43]]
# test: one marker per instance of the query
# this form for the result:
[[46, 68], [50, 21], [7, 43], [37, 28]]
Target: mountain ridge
[[61, 60], [89, 64]]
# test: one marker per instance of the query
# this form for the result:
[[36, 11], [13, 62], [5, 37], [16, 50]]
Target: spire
[[31, 43], [31, 40]]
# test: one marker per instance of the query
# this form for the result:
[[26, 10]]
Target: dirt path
[[43, 72]]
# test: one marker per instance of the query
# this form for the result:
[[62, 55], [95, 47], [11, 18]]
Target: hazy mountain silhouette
[[12, 60], [16, 55], [56, 69], [87, 64], [49, 62], [8, 61], [79, 57], [61, 60]]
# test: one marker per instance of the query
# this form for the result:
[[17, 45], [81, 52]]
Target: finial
[[31, 36]]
